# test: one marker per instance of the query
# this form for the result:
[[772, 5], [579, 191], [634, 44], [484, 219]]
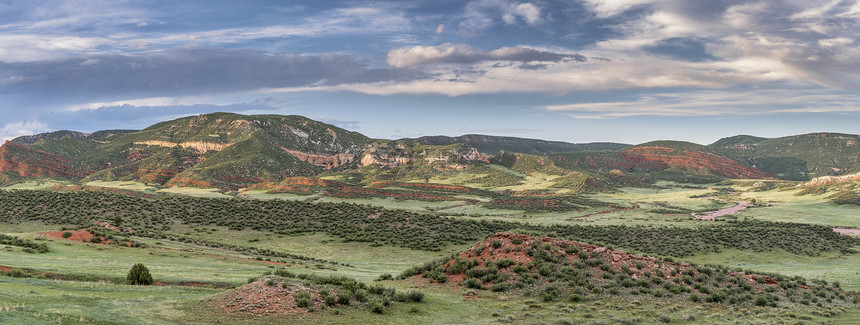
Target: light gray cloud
[[482, 14], [717, 102], [183, 71], [464, 54], [13, 130]]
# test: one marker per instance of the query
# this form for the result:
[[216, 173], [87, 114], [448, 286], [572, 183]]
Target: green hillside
[[489, 144], [799, 157]]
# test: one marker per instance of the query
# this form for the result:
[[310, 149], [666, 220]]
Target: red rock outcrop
[[325, 161]]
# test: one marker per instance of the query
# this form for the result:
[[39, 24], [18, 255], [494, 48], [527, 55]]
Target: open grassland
[[169, 264], [673, 196], [197, 192], [225, 242], [126, 185], [366, 261], [816, 209], [41, 301], [843, 268]]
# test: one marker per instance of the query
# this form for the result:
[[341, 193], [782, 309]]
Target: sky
[[627, 71]]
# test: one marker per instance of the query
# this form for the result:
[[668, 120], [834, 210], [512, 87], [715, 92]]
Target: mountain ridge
[[233, 151]]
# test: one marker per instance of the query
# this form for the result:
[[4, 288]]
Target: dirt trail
[[852, 231], [722, 212]]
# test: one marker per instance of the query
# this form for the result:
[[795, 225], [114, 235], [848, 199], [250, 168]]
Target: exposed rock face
[[196, 145], [383, 160], [325, 161], [827, 180]]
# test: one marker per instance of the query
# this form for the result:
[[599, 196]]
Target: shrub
[[303, 299], [575, 297], [384, 277], [139, 275], [517, 241], [343, 298], [67, 234], [330, 300], [376, 305], [496, 243], [416, 296], [499, 287], [473, 284]]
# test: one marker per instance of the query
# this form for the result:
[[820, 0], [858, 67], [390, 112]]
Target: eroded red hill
[[659, 158], [21, 161]]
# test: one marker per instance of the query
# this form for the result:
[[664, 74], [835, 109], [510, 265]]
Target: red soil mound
[[82, 235], [564, 253], [267, 296]]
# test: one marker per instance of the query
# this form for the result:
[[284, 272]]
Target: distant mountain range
[[232, 151], [489, 144]]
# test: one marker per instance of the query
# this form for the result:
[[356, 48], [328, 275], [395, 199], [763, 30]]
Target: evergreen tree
[[139, 274]]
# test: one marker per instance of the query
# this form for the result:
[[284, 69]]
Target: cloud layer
[[464, 54]]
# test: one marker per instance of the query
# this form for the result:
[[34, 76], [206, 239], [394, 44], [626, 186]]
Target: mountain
[[489, 144], [799, 157], [232, 151], [660, 156], [224, 150], [31, 139]]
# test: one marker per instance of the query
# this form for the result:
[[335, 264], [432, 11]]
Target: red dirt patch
[[268, 296], [5, 268], [81, 235]]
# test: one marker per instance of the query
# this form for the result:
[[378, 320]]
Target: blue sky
[[578, 70]]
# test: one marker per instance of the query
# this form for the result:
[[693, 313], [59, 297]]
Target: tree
[[139, 275]]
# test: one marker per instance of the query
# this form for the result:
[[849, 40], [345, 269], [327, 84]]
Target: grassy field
[[40, 301], [367, 261], [804, 209], [829, 267]]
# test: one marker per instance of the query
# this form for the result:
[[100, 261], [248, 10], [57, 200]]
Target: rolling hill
[[489, 144], [232, 151], [799, 157]]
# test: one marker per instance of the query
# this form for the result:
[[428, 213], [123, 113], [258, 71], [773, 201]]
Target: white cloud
[[461, 53], [41, 36], [17, 129], [609, 8], [526, 11], [440, 29], [718, 102], [483, 14], [152, 101]]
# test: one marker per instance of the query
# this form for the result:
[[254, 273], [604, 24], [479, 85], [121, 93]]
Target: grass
[[40, 301], [109, 261], [829, 266], [367, 261], [814, 209], [197, 192], [37, 301], [679, 197], [34, 185], [127, 185]]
